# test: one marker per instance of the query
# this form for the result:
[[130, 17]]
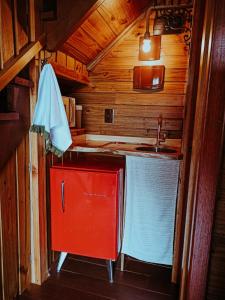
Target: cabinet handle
[[62, 196]]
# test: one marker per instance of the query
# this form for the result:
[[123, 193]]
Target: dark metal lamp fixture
[[168, 20], [174, 20]]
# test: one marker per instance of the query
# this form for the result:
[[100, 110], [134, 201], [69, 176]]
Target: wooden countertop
[[126, 147]]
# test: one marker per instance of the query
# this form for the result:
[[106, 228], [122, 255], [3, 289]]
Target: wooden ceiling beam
[[71, 16], [118, 39], [19, 62]]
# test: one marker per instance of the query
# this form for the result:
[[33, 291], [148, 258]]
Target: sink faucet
[[158, 139]]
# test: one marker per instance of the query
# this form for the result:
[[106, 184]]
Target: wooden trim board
[[206, 155]]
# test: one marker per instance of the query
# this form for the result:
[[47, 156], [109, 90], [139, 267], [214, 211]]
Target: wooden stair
[[14, 125]]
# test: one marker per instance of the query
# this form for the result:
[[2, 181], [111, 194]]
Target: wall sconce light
[[149, 46]]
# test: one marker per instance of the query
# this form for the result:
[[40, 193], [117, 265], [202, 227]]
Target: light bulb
[[146, 45]]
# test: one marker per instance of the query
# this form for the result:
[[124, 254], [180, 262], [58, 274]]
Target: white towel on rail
[[49, 115], [150, 208]]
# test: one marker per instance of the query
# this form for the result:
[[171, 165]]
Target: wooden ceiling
[[105, 23]]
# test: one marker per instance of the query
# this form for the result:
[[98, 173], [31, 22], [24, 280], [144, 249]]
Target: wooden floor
[[87, 279]]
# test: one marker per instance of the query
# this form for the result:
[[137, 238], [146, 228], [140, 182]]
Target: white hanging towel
[[150, 208], [49, 115]]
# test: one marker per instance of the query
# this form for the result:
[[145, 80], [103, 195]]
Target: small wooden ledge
[[71, 75], [22, 81], [9, 116], [77, 131]]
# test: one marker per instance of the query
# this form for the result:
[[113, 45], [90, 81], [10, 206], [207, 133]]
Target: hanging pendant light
[[149, 46]]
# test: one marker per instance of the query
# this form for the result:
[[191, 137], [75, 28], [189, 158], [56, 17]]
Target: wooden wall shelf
[[9, 116], [71, 75]]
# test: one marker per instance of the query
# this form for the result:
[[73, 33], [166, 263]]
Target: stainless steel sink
[[156, 149]]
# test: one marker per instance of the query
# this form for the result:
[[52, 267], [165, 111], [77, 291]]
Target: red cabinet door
[[84, 212]]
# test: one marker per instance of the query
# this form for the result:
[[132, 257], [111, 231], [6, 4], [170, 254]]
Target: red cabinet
[[86, 201]]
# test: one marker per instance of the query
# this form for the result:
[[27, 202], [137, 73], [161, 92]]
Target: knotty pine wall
[[136, 112]]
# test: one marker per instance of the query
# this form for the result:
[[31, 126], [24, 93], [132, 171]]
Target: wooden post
[[34, 192], [39, 254]]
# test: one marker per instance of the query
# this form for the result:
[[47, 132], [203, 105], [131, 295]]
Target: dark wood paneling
[[207, 147], [189, 116], [216, 278], [8, 197]]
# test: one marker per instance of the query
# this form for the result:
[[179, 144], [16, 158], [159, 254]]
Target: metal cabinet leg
[[110, 270], [61, 260]]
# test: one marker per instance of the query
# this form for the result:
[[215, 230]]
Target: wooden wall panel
[[22, 9], [7, 30], [15, 222], [118, 14], [136, 112], [8, 197], [127, 87], [115, 74], [94, 25], [15, 196]]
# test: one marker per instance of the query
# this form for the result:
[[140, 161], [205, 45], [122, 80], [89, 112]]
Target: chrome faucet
[[158, 139]]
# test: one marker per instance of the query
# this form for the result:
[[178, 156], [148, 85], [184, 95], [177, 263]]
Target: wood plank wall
[[14, 29], [216, 279], [15, 221], [136, 112]]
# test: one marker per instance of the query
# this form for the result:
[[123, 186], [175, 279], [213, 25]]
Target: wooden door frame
[[207, 147], [189, 115]]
